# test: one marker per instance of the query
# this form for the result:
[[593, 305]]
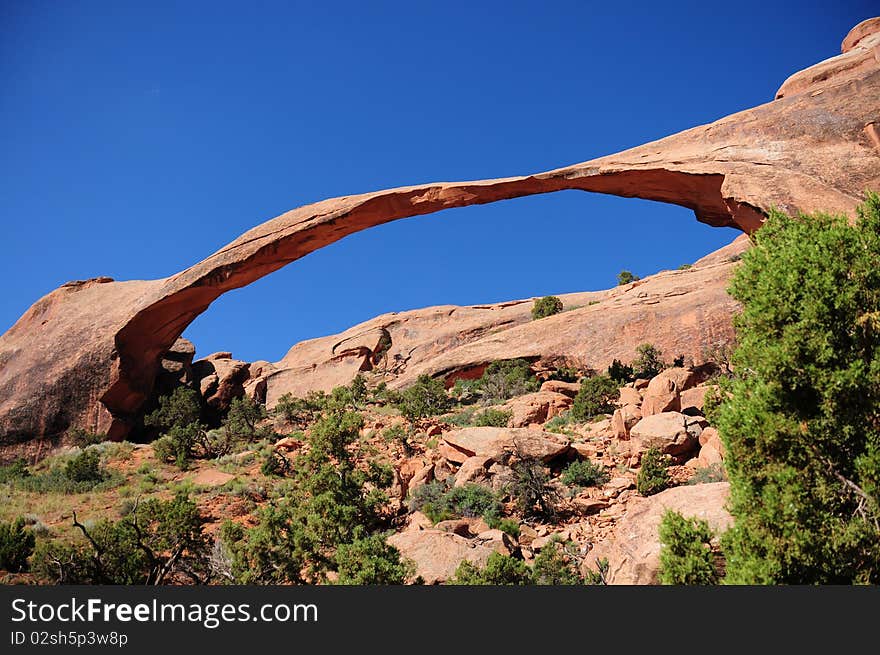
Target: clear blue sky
[[136, 138]]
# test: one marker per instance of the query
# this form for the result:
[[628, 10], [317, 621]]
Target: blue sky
[[137, 138]]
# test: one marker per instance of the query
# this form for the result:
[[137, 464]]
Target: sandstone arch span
[[87, 353]]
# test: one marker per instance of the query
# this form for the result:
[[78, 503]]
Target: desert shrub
[[597, 395], [178, 421], [16, 545], [531, 488], [508, 526], [546, 306], [301, 411], [462, 419], [653, 476], [371, 561], [559, 423], [154, 543], [427, 397], [493, 418], [801, 417], [708, 474], [179, 444], [85, 467], [584, 473], [499, 570], [556, 565], [439, 503], [625, 277], [686, 556], [506, 379], [241, 422], [312, 526], [619, 372], [274, 463], [648, 362], [15, 470], [565, 374], [598, 577], [180, 408], [397, 434], [678, 361]]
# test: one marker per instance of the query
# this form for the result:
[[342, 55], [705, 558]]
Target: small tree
[[556, 565], [85, 467], [597, 395], [532, 488], [427, 397], [620, 372], [649, 361], [625, 277], [686, 556], [584, 473], [546, 306], [800, 420]]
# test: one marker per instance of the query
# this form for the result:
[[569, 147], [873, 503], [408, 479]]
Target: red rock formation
[[88, 353]]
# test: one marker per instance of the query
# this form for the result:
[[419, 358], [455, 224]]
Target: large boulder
[[437, 554], [498, 443], [536, 408], [670, 432], [633, 549]]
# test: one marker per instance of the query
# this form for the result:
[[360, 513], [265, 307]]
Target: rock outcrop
[[633, 551], [88, 353]]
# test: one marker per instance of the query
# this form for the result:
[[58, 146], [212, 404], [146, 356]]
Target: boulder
[[629, 396], [633, 548], [692, 399], [473, 469], [437, 554], [623, 419], [498, 443], [711, 450], [536, 408], [671, 432], [569, 389]]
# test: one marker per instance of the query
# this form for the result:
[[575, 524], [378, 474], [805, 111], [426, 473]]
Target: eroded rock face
[[88, 353], [437, 554]]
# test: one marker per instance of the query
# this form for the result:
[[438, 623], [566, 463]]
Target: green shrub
[[584, 473], [686, 556], [597, 395], [181, 407], [371, 561], [85, 467], [15, 470], [274, 463], [508, 526], [427, 397], [241, 422], [493, 418], [565, 374], [625, 277], [439, 503], [16, 545], [301, 412], [556, 565], [559, 423], [685, 267], [648, 362], [499, 570], [620, 372], [506, 379], [653, 476], [546, 306], [801, 418]]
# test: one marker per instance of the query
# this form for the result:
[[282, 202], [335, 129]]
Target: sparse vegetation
[[620, 372], [439, 503], [492, 418], [532, 488], [499, 570], [709, 474], [546, 306], [653, 476]]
